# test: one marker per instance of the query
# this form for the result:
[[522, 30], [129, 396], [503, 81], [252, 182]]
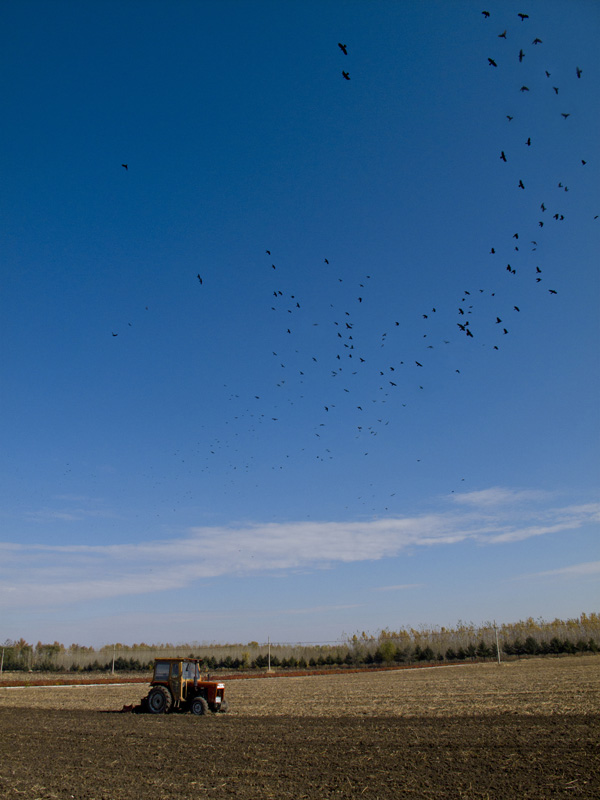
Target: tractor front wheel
[[199, 706], [159, 700]]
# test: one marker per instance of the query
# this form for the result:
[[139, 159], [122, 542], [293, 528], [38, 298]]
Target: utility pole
[[497, 644], [269, 654], [2, 662], [113, 661]]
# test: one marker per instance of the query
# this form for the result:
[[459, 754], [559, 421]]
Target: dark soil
[[94, 755]]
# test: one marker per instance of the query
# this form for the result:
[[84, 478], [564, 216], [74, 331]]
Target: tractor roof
[[175, 658]]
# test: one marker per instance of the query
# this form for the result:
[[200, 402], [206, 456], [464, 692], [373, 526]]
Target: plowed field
[[530, 729]]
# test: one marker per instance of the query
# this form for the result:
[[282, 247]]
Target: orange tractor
[[178, 686]]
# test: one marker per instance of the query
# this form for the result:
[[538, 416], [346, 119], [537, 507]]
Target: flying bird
[[503, 156], [509, 118], [552, 291], [492, 63], [524, 89], [485, 14], [521, 185], [346, 75], [523, 17], [521, 55], [555, 89], [565, 115], [578, 72], [125, 166], [199, 278], [537, 41], [502, 35], [343, 48]]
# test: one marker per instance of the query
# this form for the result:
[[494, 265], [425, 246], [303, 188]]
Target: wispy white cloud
[[498, 496], [67, 514], [398, 587], [582, 570], [65, 574]]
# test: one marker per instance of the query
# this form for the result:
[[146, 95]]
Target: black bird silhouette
[[521, 185], [343, 48], [125, 166], [565, 115], [509, 118], [552, 291], [523, 17], [418, 364], [485, 14], [555, 89], [537, 41], [524, 89], [268, 252], [502, 35], [115, 334], [503, 156], [528, 142], [492, 63], [199, 278], [346, 75], [521, 55], [578, 72]]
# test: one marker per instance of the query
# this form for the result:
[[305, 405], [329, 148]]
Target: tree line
[[464, 642]]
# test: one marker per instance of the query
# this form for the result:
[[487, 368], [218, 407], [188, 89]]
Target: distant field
[[528, 729]]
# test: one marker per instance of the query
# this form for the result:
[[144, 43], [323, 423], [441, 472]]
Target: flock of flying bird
[[339, 357]]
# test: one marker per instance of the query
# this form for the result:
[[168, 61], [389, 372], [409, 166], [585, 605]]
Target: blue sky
[[305, 443]]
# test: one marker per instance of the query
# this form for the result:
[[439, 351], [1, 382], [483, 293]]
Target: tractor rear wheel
[[159, 700], [199, 706]]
